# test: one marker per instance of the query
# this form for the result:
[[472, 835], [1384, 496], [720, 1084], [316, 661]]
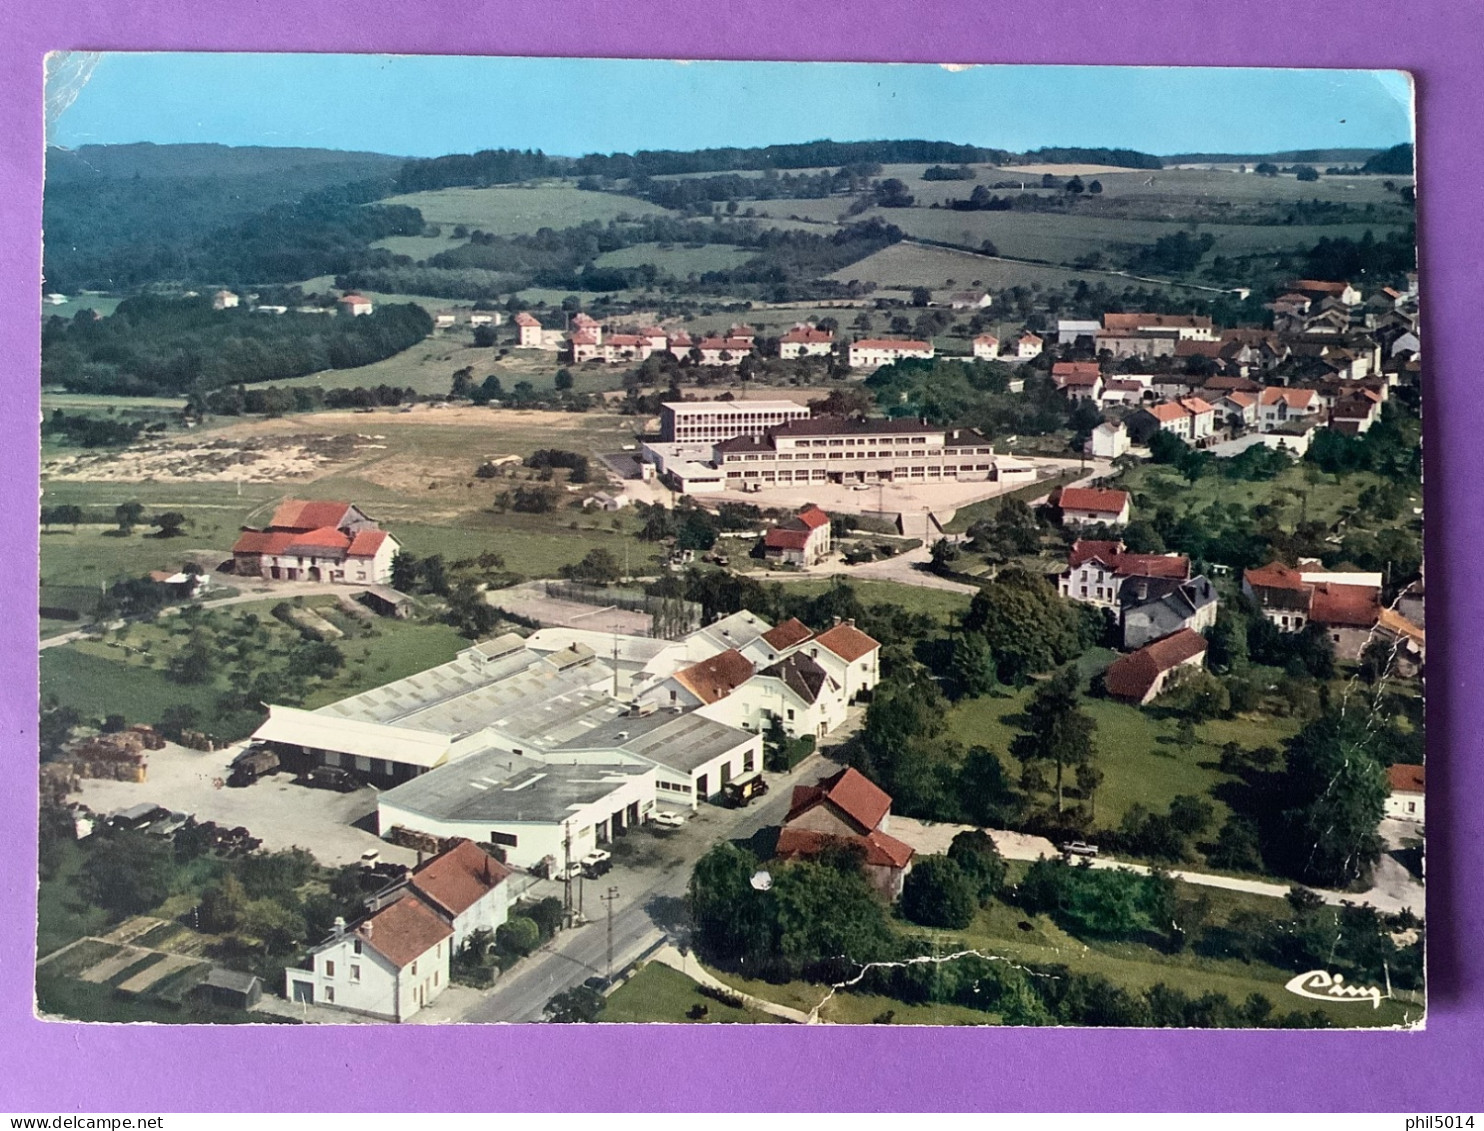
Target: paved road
[[649, 907]]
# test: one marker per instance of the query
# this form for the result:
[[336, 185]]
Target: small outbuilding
[[230, 988]]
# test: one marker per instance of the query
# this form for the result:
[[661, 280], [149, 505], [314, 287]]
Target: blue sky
[[430, 105]]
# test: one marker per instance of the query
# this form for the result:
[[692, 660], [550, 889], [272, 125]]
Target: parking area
[[274, 809]]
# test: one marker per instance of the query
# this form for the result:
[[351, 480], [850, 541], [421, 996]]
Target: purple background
[[60, 1068]]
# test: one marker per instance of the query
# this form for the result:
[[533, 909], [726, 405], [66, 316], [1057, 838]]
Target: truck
[[250, 765], [738, 792]]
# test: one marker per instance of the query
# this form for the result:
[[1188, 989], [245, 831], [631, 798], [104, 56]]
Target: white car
[[668, 820]]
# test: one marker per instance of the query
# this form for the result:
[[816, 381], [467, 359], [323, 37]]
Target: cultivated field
[[522, 210], [903, 266], [677, 259]]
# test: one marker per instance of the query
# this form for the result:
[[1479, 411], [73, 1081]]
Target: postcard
[[570, 541]]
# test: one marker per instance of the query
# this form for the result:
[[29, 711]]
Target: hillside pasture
[[680, 260], [905, 265], [524, 209]]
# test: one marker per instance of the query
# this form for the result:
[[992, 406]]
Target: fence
[[672, 616]]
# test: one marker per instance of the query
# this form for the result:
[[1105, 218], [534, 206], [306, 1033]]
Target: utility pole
[[609, 900], [567, 872]]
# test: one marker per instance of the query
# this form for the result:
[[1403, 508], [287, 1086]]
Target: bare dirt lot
[[280, 813], [530, 600]]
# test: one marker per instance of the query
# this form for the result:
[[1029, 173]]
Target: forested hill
[[1284, 157], [117, 216]]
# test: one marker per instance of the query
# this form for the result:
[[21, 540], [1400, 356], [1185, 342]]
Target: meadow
[[523, 209], [680, 260]]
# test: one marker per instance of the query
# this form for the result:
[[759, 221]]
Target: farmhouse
[[969, 300], [1080, 505], [224, 300], [1097, 570], [806, 340], [803, 539], [1069, 331], [872, 353], [353, 305], [1147, 673], [1078, 380], [316, 541], [391, 964], [1151, 608], [1346, 605], [1184, 327], [847, 809]]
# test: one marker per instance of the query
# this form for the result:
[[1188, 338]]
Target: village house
[[1346, 605], [1137, 343], [872, 353], [1202, 419], [1143, 675], [969, 300], [224, 300], [1078, 380], [1097, 571], [1027, 347], [1238, 407], [1278, 405], [1150, 608], [796, 692], [803, 539], [1128, 389], [1185, 327], [721, 351], [464, 885], [389, 965], [986, 347], [1353, 415], [1408, 787], [443, 320], [847, 808], [1080, 505], [1163, 416], [1071, 332], [528, 331], [1108, 440], [1316, 290], [806, 340], [316, 541], [353, 305], [852, 658]]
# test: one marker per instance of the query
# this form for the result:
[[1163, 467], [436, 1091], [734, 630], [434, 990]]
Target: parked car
[[667, 819], [560, 872], [250, 765], [596, 863], [1080, 848], [331, 777]]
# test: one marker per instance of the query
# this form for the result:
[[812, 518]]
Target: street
[[651, 882]]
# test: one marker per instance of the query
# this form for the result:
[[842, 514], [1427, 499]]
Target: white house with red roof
[[528, 330], [873, 353], [1080, 505], [1078, 380], [353, 305], [1347, 605], [852, 658], [1108, 440], [464, 885], [317, 541], [803, 539], [1097, 570], [796, 692], [806, 340], [1277, 405], [1027, 346], [847, 808], [1408, 788], [986, 347], [389, 965]]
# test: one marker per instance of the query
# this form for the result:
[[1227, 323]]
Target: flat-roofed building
[[708, 422], [829, 449], [872, 353]]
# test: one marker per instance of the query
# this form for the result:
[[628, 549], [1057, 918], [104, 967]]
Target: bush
[[518, 935], [938, 893]]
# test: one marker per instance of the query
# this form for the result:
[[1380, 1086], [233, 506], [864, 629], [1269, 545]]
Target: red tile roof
[[849, 791], [1355, 606], [847, 642], [403, 931], [1294, 398], [812, 517], [460, 877], [1086, 549], [1073, 368], [1320, 286], [1134, 676], [1194, 405], [302, 515], [584, 338], [526, 319], [355, 300], [986, 339], [882, 851], [325, 538], [1166, 411], [262, 542], [717, 677], [366, 543], [808, 335], [891, 344], [1406, 778], [1113, 555], [780, 538], [1193, 348], [1274, 575], [1092, 499], [788, 634]]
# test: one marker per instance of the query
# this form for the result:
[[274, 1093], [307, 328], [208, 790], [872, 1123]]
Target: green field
[[1138, 753], [903, 266], [677, 259], [658, 993], [942, 604], [420, 248], [1302, 490], [75, 304], [522, 210]]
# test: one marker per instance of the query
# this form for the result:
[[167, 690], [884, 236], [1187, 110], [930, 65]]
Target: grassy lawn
[[522, 210], [903, 266], [62, 915], [84, 676], [680, 260], [658, 993], [1138, 753], [942, 604], [532, 545]]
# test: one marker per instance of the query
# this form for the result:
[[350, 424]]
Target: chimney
[[366, 929], [339, 925], [834, 621], [850, 622]]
